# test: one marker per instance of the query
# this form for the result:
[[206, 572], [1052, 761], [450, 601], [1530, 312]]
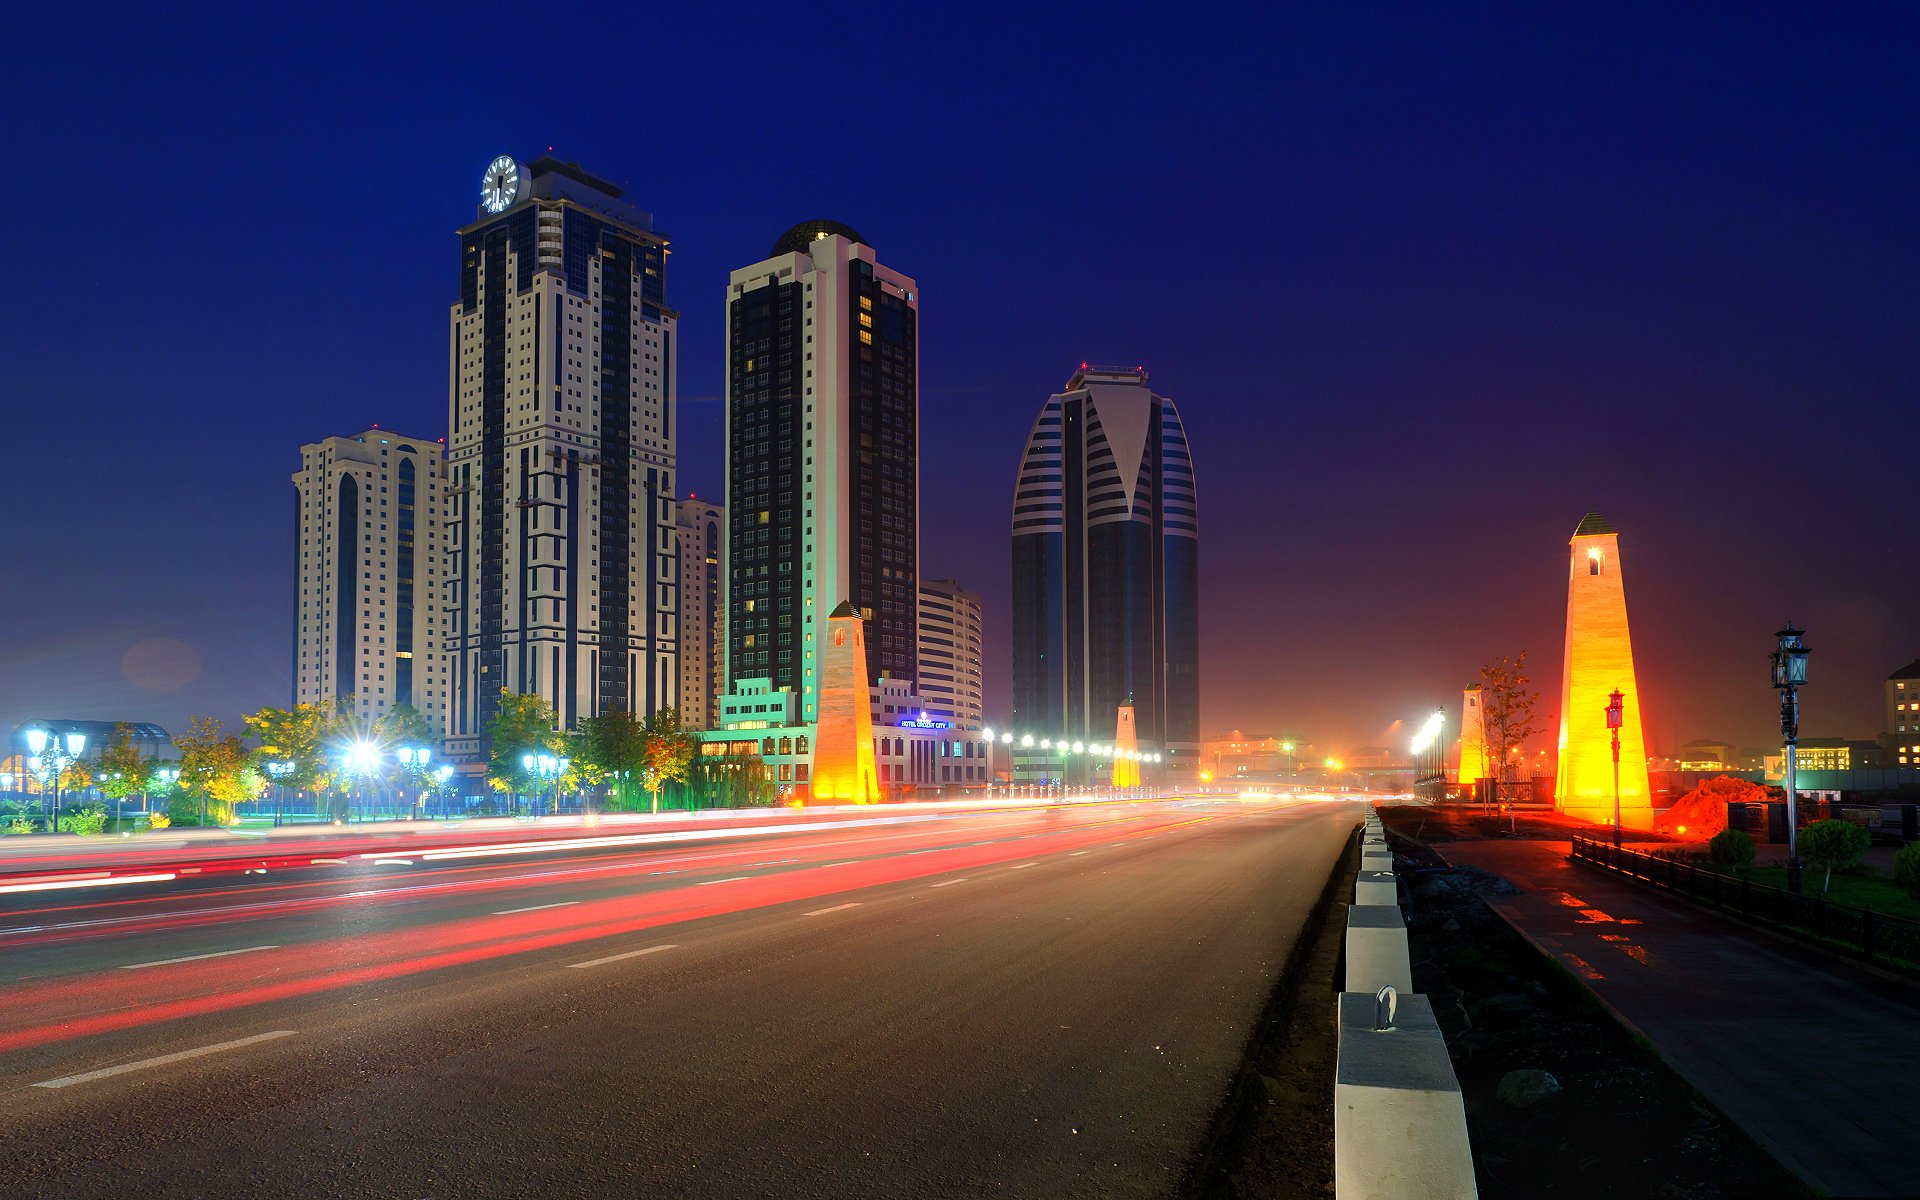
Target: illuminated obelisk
[[843, 760], [1599, 660], [1473, 742], [1126, 742]]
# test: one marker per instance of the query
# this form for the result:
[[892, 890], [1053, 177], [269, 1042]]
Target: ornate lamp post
[[1789, 675], [413, 759], [546, 766], [1616, 711], [280, 770], [52, 756], [441, 774]]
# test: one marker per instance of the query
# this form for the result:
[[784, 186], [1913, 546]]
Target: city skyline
[[1364, 377]]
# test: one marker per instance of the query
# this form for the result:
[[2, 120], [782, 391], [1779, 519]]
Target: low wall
[[1399, 1125]]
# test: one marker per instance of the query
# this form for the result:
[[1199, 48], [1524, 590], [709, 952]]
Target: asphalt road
[[1041, 1002]]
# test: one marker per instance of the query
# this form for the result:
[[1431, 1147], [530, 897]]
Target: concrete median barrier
[[1399, 1127]]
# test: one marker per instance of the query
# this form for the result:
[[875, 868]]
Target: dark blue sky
[[1426, 283]]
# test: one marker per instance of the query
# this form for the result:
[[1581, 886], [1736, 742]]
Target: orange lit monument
[[1599, 659], [843, 764], [1473, 741], [1126, 768]]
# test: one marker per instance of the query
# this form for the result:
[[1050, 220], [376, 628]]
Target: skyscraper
[[951, 656], [823, 475], [561, 453], [370, 619], [1599, 660], [1105, 567], [701, 528]]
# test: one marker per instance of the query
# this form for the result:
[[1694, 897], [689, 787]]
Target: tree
[[668, 754], [1834, 846], [1730, 848], [1906, 868], [611, 746], [297, 735], [405, 726], [124, 768], [216, 766], [523, 725], [1507, 715]]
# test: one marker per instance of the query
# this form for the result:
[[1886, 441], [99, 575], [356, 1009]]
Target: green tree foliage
[[1906, 868], [523, 724], [669, 751], [1833, 846], [611, 747], [300, 735], [215, 768], [730, 781], [1730, 848], [405, 726], [124, 769], [88, 822]]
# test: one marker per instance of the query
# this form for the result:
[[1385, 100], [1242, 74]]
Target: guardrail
[[1867, 934], [1399, 1125]]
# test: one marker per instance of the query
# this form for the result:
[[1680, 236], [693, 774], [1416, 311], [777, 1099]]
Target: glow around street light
[[1429, 732], [362, 757]]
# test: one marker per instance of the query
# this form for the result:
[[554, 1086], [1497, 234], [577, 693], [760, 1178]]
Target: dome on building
[[807, 232]]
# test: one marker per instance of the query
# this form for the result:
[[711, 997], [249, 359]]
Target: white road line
[[1023, 866], [392, 862], [167, 962], [821, 912], [90, 881], [849, 862], [733, 879], [599, 962], [331, 862], [947, 882], [1078, 853], [507, 912], [163, 1060]]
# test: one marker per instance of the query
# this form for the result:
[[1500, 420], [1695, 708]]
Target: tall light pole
[[362, 759], [441, 774], [547, 766], [1789, 675], [53, 756], [1616, 709], [413, 759], [280, 769]]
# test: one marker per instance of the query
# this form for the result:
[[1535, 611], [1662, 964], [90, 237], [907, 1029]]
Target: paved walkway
[[1816, 1061]]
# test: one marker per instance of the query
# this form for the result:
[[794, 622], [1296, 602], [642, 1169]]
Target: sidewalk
[[1815, 1061]]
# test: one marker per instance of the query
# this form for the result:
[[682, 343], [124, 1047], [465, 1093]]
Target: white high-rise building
[[823, 443], [371, 616], [561, 454], [702, 529], [951, 653]]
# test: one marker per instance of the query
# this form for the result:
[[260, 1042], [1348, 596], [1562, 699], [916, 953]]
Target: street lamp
[[546, 766], [281, 770], [52, 757], [413, 759], [441, 774], [1616, 710], [1789, 675], [362, 759]]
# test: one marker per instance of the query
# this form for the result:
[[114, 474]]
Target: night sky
[[1426, 285]]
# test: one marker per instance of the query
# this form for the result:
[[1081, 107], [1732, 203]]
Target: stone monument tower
[[843, 760], [1599, 659]]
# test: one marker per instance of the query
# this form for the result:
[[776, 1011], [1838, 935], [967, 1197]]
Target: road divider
[[164, 1059], [1400, 1127]]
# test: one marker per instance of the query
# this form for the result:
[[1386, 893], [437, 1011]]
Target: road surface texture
[[1032, 1002], [1802, 1052]]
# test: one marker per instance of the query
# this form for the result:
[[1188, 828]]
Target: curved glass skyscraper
[[1105, 568]]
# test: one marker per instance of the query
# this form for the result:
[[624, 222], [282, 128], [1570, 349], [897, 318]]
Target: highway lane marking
[[1023, 866], [331, 862], [947, 883], [821, 912], [1078, 853], [110, 881], [732, 879], [507, 912], [163, 1060], [167, 962], [600, 962], [392, 862]]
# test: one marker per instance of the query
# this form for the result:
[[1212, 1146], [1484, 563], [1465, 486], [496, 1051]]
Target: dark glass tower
[[823, 473], [561, 453], [1106, 568]]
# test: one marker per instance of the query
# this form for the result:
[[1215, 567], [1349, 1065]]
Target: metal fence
[[1865, 933]]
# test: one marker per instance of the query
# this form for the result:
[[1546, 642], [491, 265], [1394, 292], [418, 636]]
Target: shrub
[[21, 823], [1834, 846], [1731, 848], [87, 822], [1906, 868], [158, 820]]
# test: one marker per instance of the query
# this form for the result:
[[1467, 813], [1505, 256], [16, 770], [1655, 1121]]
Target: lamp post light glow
[[280, 770], [50, 758], [547, 766], [1616, 712], [1789, 675]]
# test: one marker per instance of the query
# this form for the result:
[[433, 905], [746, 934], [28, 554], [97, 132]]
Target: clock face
[[500, 186]]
